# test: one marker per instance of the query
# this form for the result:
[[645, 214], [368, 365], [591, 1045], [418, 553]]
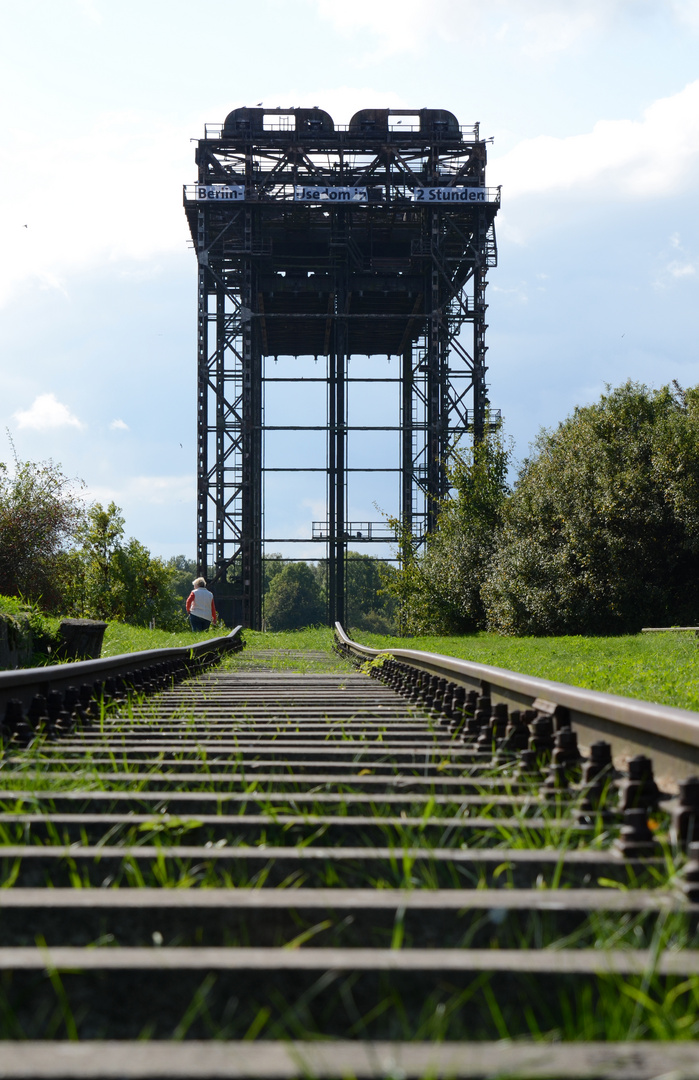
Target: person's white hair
[[199, 583]]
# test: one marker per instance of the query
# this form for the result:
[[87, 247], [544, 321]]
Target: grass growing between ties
[[653, 667], [301, 651], [360, 1006], [434, 836]]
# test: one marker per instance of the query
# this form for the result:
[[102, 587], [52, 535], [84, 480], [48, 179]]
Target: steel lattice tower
[[317, 240]]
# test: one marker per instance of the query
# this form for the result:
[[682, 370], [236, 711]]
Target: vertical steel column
[[480, 402], [202, 394], [220, 434], [251, 442], [341, 474], [332, 485], [434, 463], [338, 426], [407, 463]]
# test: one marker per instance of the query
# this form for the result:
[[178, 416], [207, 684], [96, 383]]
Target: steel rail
[[253, 855], [669, 733], [162, 665]]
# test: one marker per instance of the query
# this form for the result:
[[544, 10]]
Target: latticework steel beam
[[325, 241]]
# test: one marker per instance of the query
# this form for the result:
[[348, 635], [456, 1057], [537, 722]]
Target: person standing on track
[[200, 606]]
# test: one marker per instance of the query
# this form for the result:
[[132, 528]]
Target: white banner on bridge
[[450, 194], [309, 193], [221, 192]]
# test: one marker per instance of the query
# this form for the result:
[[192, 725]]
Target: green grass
[[282, 651], [121, 638], [653, 667], [279, 650], [604, 1008]]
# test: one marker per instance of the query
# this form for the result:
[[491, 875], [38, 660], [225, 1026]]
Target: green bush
[[39, 515], [370, 604], [120, 580], [28, 626], [600, 534], [440, 590]]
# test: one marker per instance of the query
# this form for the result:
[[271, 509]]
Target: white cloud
[[536, 28], [681, 269], [118, 425], [686, 12], [46, 412], [89, 10], [517, 294], [641, 159], [146, 491], [675, 264], [128, 209], [398, 23], [317, 508]]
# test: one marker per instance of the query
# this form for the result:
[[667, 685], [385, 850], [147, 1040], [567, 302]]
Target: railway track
[[248, 870]]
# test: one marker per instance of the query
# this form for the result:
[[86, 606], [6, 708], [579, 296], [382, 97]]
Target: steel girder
[[385, 274]]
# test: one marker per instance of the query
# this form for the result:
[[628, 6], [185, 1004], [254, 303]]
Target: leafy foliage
[[26, 625], [370, 604], [440, 591], [183, 571], [38, 517], [272, 565], [71, 559], [292, 595], [294, 598], [120, 580], [600, 534]]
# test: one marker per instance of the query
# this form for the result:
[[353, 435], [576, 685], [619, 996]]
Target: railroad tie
[[339, 873]]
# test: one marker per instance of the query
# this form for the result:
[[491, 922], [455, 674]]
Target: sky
[[593, 108]]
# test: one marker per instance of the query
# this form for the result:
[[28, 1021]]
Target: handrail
[[22, 684], [613, 715]]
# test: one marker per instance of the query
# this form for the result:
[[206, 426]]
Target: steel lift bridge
[[316, 240]]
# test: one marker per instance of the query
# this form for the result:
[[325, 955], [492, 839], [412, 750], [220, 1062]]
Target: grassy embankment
[[121, 638], [652, 667]]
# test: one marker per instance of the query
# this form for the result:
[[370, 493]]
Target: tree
[[439, 591], [99, 537], [183, 571], [122, 580], [39, 515], [294, 599], [144, 587], [370, 605], [600, 534], [272, 564]]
